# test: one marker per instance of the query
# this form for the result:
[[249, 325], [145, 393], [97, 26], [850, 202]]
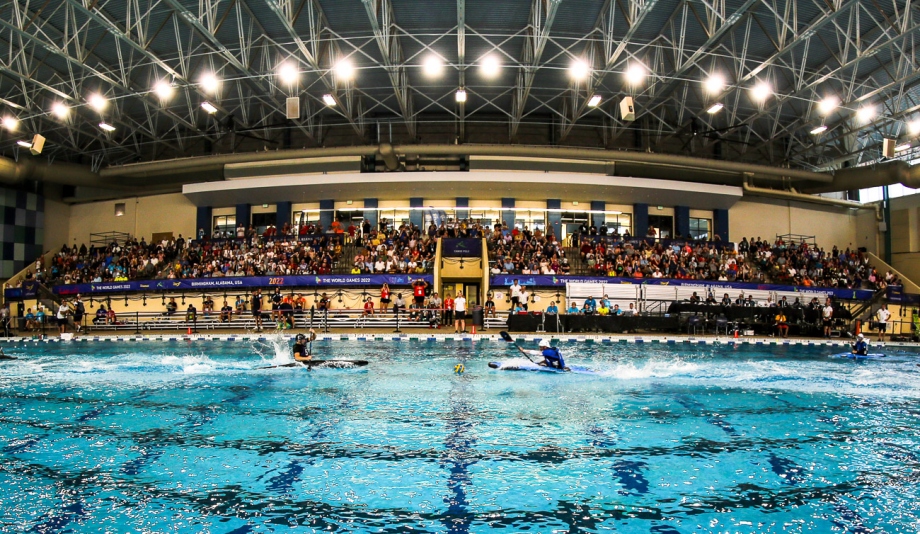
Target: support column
[[508, 212], [370, 211], [597, 219], [640, 220], [554, 218], [416, 216], [326, 208], [682, 220], [720, 222], [283, 214], [244, 215], [463, 204], [204, 220]]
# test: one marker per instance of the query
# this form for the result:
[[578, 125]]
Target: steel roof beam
[[534, 44], [380, 14]]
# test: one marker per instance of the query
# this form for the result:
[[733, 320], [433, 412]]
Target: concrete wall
[[767, 218], [143, 217], [57, 224]]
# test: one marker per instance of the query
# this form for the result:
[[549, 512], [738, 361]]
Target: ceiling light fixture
[[26, 144], [106, 126], [761, 91], [715, 108], [329, 100], [10, 123], [635, 74], [913, 127], [210, 83], [433, 67], [209, 107], [97, 102], [828, 104], [714, 84], [579, 70], [344, 69], [866, 113], [490, 66], [902, 147], [819, 130], [594, 101], [60, 110], [288, 73], [163, 89], [460, 96]]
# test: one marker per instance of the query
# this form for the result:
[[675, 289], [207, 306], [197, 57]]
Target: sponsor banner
[[461, 248], [557, 281], [637, 241], [28, 290], [205, 284], [896, 294]]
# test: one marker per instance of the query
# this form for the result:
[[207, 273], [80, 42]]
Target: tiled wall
[[23, 230]]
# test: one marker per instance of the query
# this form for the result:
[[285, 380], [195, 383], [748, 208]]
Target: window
[[224, 225], [261, 221], [532, 219], [699, 228], [618, 223], [661, 225], [439, 217]]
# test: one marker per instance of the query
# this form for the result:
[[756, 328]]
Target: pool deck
[[423, 334]]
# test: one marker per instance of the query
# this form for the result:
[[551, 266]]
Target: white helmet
[[543, 343], [859, 336]]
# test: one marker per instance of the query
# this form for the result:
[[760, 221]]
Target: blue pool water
[[190, 437]]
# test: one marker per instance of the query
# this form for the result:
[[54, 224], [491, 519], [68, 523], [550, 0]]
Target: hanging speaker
[[292, 109], [888, 147], [38, 142], [627, 111]]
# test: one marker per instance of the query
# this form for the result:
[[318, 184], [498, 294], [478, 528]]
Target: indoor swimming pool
[[191, 436]]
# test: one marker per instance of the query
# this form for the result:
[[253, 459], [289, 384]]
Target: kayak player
[[551, 355], [861, 346], [301, 351]]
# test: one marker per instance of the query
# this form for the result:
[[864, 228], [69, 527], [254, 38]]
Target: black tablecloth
[[591, 323]]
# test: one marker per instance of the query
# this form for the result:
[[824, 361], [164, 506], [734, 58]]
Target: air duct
[[16, 172], [812, 199], [887, 173]]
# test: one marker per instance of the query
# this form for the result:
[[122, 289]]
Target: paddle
[[507, 337], [311, 363]]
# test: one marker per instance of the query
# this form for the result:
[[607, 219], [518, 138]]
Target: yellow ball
[[459, 368]]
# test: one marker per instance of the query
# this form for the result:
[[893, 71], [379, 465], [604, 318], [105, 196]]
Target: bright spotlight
[[827, 105], [715, 108], [329, 100], [26, 144], [163, 89], [761, 91], [594, 101], [97, 102], [579, 70], [209, 107], [60, 110], [433, 67], [344, 69], [210, 83], [490, 66], [288, 73], [865, 113], [10, 123], [902, 147], [913, 127], [107, 127], [714, 84], [635, 74], [460, 96]]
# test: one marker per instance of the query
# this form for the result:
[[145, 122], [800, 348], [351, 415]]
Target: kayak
[[524, 365], [320, 363], [851, 356]]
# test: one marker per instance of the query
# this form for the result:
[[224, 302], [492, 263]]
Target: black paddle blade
[[506, 336]]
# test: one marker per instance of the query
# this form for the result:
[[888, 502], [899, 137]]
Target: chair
[[693, 323], [722, 323]]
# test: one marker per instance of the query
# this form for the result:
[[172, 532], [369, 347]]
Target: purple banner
[[210, 284], [556, 281]]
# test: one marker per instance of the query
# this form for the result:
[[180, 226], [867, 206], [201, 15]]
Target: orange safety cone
[[736, 333], [474, 330], [190, 331]]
